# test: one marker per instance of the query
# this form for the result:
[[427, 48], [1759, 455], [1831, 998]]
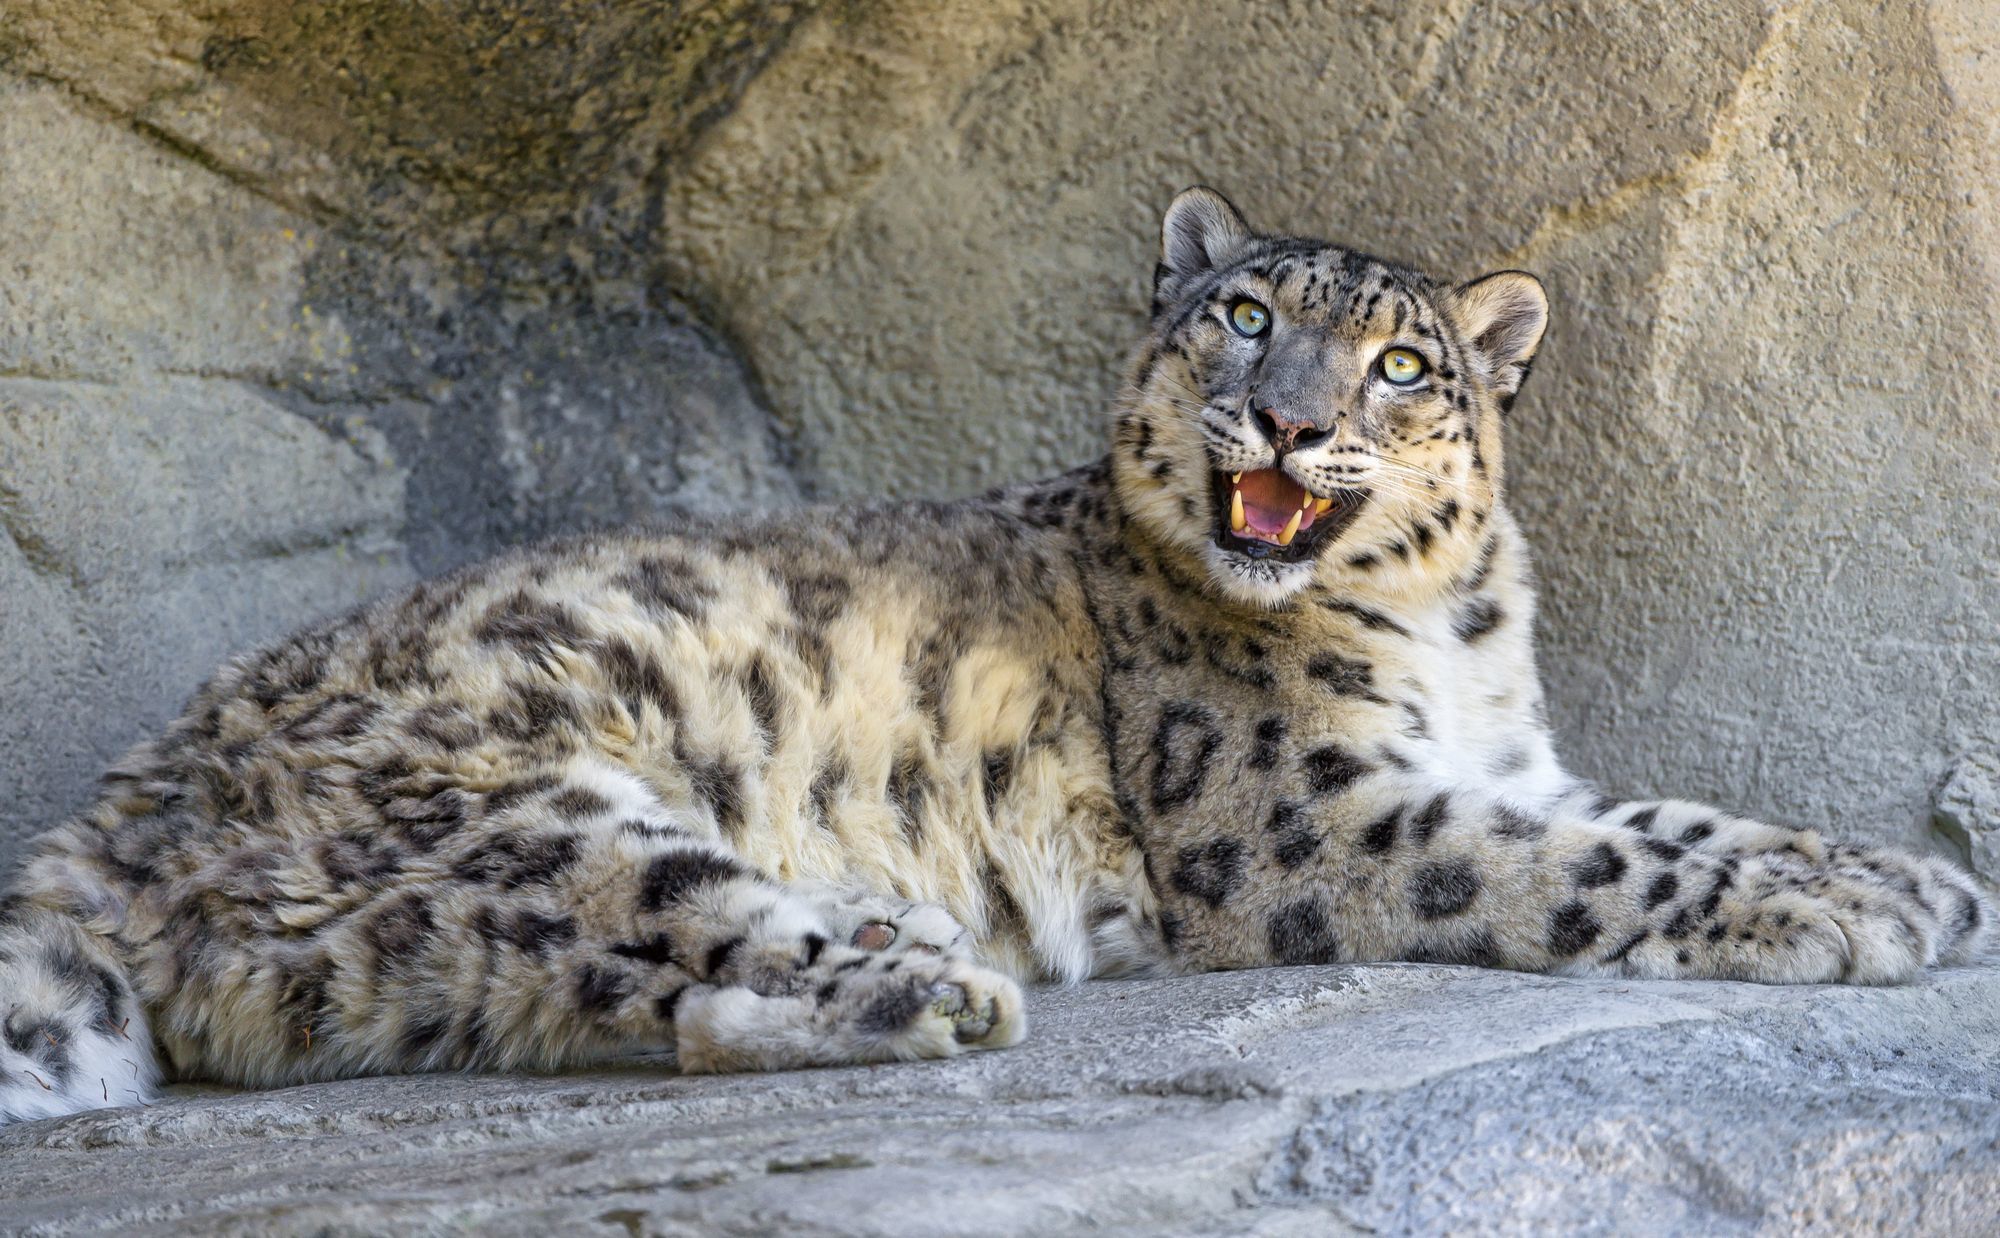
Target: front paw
[[1787, 922], [853, 1007], [928, 1008], [1940, 894]]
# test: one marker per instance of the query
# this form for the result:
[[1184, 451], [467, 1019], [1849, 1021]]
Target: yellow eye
[[1249, 318], [1402, 367]]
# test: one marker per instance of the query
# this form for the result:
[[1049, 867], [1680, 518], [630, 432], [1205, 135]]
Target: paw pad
[[874, 935]]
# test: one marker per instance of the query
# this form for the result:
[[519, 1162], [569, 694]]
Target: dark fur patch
[[511, 861], [1431, 818], [305, 998], [601, 991], [512, 794], [1297, 842], [719, 782], [402, 930], [531, 932], [1600, 866], [1572, 928], [358, 857], [534, 627], [667, 586], [1967, 920], [1005, 917], [1680, 926], [908, 784], [996, 774], [531, 713], [1183, 745], [762, 694], [657, 950], [576, 802], [1512, 823], [1342, 676], [1663, 887], [1477, 620], [1270, 733], [1642, 820], [1371, 619], [1443, 889], [1210, 873], [826, 783], [1330, 769], [447, 726], [639, 681], [676, 875], [1299, 934], [720, 956], [892, 1010], [421, 1034], [666, 1004], [1602, 806], [1630, 944], [1379, 837]]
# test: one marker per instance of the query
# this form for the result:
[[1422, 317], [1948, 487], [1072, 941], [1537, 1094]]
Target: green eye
[[1249, 318], [1402, 367]]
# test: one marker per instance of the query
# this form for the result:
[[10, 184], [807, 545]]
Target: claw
[[973, 1028]]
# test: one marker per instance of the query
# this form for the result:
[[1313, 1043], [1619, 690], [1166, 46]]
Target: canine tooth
[[1235, 478], [1235, 511], [1291, 528]]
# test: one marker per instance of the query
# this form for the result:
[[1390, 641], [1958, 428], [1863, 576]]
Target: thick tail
[[72, 1035], [1972, 926]]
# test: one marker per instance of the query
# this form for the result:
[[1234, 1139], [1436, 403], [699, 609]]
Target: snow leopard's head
[[1304, 413]]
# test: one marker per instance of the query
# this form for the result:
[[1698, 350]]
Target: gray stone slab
[[1384, 1099]]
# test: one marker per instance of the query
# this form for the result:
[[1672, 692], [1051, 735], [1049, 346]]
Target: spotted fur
[[822, 788]]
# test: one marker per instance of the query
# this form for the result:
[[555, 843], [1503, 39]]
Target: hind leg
[[558, 921]]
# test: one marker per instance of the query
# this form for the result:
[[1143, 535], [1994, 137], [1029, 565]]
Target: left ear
[[1504, 315]]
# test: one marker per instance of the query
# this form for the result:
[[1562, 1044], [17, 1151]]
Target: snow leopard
[[829, 785]]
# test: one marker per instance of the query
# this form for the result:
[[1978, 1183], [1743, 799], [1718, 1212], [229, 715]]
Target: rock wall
[[304, 300]]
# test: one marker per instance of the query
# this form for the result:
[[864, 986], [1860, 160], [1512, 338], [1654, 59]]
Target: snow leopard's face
[[1303, 412]]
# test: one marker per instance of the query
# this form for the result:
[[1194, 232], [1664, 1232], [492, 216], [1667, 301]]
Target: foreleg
[[1392, 868]]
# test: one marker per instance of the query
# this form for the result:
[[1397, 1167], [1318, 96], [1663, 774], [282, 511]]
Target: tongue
[[1270, 498]]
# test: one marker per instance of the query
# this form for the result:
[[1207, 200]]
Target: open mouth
[[1266, 515]]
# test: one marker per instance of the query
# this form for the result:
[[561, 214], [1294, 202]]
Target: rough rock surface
[[1968, 810], [1389, 1099], [298, 302]]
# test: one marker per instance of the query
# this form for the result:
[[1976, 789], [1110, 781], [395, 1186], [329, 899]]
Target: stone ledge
[[1304, 1100]]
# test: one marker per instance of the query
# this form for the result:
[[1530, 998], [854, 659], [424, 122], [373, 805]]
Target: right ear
[[1201, 231]]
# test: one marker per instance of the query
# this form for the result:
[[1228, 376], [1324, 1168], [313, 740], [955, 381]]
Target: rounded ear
[[1200, 231], [1504, 315]]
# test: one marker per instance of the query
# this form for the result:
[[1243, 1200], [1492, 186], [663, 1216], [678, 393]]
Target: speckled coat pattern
[[825, 787]]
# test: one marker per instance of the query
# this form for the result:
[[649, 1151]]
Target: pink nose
[[1283, 431]]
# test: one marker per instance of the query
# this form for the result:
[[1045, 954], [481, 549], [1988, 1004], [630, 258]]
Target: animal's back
[[401, 813]]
